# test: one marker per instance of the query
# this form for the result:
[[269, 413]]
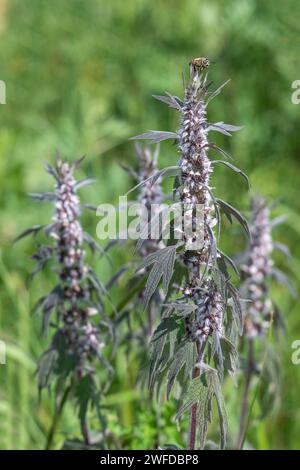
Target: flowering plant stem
[[74, 309], [193, 412], [56, 417], [244, 413], [260, 311], [194, 342]]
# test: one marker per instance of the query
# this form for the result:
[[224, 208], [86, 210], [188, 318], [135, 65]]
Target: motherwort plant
[[260, 311], [150, 198], [74, 308], [143, 208], [150, 193], [193, 344]]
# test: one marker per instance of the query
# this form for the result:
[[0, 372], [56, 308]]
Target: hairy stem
[[56, 417], [86, 433], [193, 413], [245, 398], [193, 419]]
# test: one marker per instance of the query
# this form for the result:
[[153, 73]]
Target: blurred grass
[[79, 78]]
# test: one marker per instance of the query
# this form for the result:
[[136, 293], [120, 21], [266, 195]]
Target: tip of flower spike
[[78, 162], [197, 66], [200, 63]]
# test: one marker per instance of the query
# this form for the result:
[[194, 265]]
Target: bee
[[200, 63]]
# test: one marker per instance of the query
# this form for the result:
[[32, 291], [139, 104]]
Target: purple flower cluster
[[256, 269], [150, 195], [82, 337], [196, 168], [208, 318]]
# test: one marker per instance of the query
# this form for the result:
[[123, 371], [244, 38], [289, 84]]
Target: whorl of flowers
[[150, 194], [256, 270], [150, 197], [208, 318], [82, 337]]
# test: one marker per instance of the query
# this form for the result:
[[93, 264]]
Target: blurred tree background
[[79, 78]]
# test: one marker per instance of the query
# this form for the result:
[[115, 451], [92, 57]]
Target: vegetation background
[[79, 79]]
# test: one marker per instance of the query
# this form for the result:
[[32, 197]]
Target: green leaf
[[86, 394], [48, 197], [215, 93], [223, 128], [169, 447], [283, 279], [48, 305], [230, 355], [235, 305], [223, 420], [278, 220], [172, 101], [201, 391], [231, 211], [180, 308], [163, 267], [159, 348], [85, 182], [234, 168], [282, 248], [168, 171], [181, 358], [30, 231], [46, 366], [156, 136], [230, 262]]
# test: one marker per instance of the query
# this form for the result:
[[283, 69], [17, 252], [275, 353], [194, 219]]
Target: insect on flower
[[200, 63]]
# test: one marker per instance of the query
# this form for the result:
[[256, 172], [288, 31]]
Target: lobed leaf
[[169, 171], [156, 136], [30, 231], [43, 196], [215, 93], [172, 101], [234, 168], [85, 182], [235, 305], [163, 266], [231, 211], [224, 128]]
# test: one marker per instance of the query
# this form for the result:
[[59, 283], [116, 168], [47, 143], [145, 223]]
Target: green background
[[79, 78]]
